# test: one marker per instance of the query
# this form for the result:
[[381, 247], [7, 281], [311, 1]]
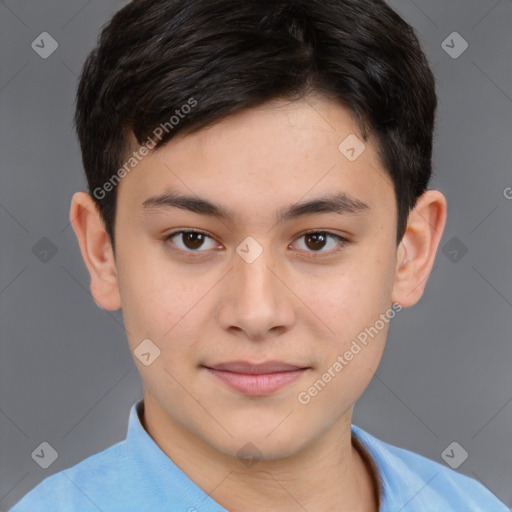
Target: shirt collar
[[401, 487], [155, 468], [154, 465]]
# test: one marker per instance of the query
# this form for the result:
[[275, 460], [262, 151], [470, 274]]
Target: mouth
[[256, 379]]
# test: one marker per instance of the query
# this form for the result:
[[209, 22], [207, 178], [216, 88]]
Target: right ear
[[96, 250], [417, 250]]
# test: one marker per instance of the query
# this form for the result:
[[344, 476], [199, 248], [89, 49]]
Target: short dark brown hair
[[229, 55]]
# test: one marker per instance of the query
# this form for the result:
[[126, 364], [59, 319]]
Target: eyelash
[[343, 242]]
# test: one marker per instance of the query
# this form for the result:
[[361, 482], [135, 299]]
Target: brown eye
[[193, 240], [316, 241], [190, 241]]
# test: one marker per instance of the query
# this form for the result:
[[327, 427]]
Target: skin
[[215, 307]]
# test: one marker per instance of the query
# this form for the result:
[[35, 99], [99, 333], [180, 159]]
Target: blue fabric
[[136, 475]]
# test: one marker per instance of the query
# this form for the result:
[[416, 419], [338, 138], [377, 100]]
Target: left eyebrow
[[342, 203]]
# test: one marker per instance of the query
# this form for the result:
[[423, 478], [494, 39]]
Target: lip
[[256, 379]]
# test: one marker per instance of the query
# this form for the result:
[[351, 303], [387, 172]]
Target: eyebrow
[[342, 203]]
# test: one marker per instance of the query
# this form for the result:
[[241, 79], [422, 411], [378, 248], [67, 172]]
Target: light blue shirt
[[136, 475]]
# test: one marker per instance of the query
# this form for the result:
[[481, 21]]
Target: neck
[[329, 475]]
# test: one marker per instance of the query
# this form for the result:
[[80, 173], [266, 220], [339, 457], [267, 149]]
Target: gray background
[[66, 374]]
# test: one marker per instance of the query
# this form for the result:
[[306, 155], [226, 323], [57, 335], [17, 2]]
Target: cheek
[[350, 304], [174, 312], [150, 300], [354, 296]]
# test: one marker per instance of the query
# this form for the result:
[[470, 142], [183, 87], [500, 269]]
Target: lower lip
[[257, 385]]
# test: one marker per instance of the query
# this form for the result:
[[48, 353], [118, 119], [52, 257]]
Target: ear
[[417, 250], [96, 250]]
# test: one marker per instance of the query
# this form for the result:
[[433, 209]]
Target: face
[[257, 285]]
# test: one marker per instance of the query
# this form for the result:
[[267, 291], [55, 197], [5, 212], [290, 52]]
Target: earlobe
[[417, 250], [96, 251]]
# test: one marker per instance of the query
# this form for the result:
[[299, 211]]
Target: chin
[[253, 444]]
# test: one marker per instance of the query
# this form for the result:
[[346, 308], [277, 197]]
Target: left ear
[[417, 250]]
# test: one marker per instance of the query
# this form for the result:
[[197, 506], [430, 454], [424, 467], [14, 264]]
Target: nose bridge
[[257, 301], [254, 278]]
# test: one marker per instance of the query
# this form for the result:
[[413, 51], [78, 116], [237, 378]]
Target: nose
[[257, 301]]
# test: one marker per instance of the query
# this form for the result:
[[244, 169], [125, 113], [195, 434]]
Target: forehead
[[258, 160]]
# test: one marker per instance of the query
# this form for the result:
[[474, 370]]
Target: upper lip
[[259, 368]]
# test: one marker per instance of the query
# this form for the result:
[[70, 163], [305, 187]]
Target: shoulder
[[414, 481], [134, 474], [461, 492], [82, 486]]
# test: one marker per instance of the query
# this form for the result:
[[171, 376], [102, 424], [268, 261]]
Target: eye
[[190, 240], [317, 240]]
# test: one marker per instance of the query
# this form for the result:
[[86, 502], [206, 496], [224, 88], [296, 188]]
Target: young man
[[258, 204]]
